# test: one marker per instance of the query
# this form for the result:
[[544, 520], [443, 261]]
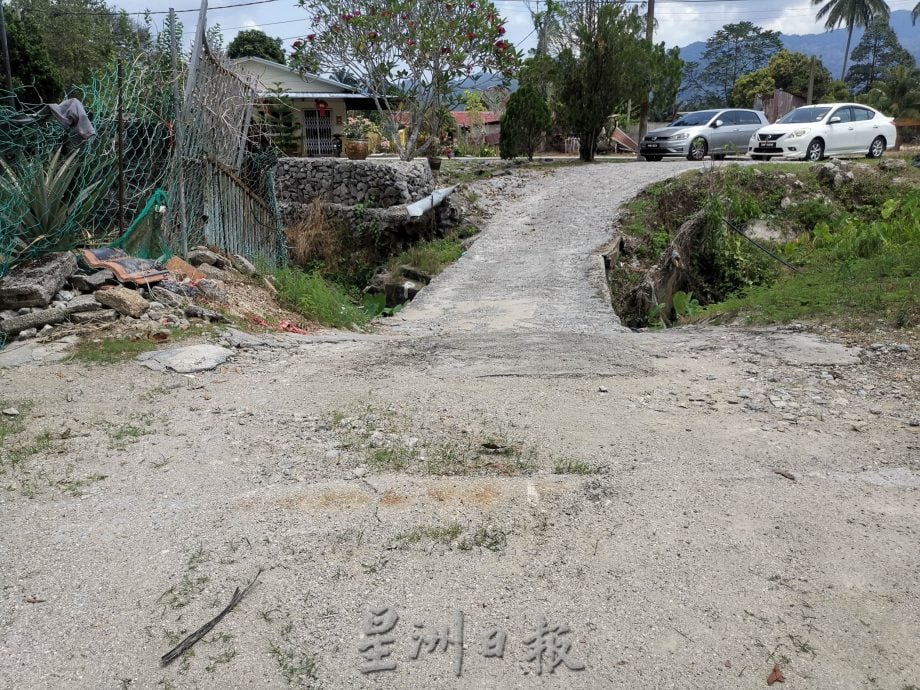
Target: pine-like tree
[[877, 51], [524, 123]]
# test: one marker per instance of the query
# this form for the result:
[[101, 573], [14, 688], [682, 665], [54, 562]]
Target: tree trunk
[[586, 146], [846, 55]]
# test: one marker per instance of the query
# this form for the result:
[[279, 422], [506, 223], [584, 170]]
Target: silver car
[[715, 133]]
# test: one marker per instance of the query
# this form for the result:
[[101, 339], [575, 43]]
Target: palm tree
[[850, 13], [898, 94]]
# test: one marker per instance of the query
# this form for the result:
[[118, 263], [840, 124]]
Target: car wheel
[[697, 149], [877, 148], [653, 159], [815, 150]]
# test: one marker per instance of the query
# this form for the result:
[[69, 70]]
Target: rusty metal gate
[[317, 134], [236, 218]]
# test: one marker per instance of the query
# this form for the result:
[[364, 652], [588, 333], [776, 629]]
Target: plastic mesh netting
[[58, 191]]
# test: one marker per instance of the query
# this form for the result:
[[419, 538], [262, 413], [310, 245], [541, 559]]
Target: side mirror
[[717, 124], [833, 120]]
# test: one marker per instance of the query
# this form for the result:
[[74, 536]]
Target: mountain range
[[830, 45]]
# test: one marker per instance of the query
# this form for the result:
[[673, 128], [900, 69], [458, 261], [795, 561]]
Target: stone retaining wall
[[376, 183]]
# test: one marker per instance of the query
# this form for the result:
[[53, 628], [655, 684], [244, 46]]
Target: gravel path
[[530, 297], [504, 450]]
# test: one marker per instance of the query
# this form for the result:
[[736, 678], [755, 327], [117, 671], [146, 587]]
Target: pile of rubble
[[56, 291]]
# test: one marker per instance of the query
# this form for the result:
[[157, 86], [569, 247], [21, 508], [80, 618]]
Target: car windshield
[[805, 115], [694, 119]]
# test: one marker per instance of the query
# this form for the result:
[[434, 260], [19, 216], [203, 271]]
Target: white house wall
[[271, 77]]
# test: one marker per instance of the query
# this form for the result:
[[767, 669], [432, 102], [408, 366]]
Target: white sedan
[[829, 129]]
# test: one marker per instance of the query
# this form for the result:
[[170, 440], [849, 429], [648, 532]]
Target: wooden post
[[196, 54]]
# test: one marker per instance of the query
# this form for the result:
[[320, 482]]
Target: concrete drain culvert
[[705, 261]]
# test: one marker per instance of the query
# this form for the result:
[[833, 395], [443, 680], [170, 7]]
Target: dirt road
[[598, 508]]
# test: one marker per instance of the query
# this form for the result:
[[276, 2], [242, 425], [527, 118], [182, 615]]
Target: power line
[[118, 13]]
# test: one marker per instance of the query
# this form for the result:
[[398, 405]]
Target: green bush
[[313, 296], [809, 213]]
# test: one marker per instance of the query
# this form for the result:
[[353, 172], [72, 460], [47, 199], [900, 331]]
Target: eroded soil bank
[[502, 448]]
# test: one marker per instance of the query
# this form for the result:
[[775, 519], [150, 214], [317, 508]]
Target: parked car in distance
[[715, 133], [812, 132]]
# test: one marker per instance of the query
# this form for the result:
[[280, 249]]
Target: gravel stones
[[243, 265], [126, 302], [205, 257], [101, 316], [82, 303], [213, 289], [28, 323], [36, 283], [890, 164], [92, 282]]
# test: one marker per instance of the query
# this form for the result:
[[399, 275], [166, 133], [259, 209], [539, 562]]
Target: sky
[[680, 22]]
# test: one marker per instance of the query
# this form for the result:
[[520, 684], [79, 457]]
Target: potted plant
[[356, 131]]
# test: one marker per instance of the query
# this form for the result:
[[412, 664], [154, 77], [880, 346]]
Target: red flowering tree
[[407, 55]]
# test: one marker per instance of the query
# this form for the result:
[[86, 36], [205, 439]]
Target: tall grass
[[856, 271], [430, 256], [318, 299]]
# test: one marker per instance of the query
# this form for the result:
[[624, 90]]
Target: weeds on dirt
[[124, 434], [115, 350], [190, 585], [297, 668], [454, 453], [74, 487], [12, 424], [575, 466], [443, 534], [111, 350], [40, 443], [392, 458], [225, 656], [485, 537], [491, 456]]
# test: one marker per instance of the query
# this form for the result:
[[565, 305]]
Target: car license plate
[[651, 146], [769, 144]]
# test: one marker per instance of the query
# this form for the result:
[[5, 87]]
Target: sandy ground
[[502, 454]]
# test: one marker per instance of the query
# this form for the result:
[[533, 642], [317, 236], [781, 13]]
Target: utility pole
[[4, 49], [643, 109]]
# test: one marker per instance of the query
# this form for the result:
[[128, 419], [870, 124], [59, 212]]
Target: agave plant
[[40, 205]]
